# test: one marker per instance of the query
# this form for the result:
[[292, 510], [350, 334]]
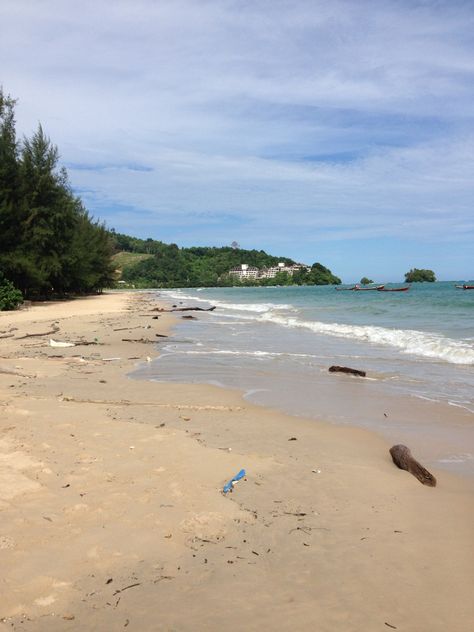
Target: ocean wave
[[410, 341], [258, 308], [255, 354], [457, 458]]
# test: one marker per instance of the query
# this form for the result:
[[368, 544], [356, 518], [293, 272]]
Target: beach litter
[[228, 487], [59, 343]]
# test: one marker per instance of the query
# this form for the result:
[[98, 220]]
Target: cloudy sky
[[339, 131]]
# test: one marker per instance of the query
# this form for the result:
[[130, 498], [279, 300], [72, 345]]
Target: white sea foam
[[457, 458], [258, 308], [408, 341], [254, 354], [464, 405]]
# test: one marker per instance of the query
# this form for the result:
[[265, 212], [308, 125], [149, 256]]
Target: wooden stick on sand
[[403, 459]]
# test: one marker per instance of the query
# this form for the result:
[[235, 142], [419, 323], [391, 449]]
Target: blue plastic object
[[228, 486]]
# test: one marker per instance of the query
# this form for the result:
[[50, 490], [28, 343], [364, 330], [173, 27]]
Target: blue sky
[[339, 132]]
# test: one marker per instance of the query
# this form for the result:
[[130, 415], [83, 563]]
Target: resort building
[[244, 271], [270, 273]]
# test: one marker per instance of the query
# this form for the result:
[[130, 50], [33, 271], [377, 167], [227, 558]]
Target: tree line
[[49, 244], [171, 266]]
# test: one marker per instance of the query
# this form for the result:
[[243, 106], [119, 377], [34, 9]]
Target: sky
[[339, 132]]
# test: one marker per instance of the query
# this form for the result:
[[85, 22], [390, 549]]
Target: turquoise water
[[276, 345]]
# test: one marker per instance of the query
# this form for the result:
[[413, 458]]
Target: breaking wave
[[428, 345], [408, 341]]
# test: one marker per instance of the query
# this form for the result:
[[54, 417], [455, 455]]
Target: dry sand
[[112, 515]]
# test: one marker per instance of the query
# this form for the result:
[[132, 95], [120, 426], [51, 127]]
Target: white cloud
[[229, 104]]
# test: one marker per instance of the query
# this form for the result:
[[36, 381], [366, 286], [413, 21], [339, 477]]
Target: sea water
[[277, 343]]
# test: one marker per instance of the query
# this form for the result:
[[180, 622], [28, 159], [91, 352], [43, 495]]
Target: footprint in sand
[[6, 542], [209, 526]]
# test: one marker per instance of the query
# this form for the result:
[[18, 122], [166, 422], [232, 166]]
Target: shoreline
[[107, 478], [437, 430]]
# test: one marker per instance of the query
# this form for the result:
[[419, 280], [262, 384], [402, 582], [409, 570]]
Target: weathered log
[[185, 309], [403, 459], [85, 343], [54, 329], [143, 340], [193, 309], [7, 333], [346, 369]]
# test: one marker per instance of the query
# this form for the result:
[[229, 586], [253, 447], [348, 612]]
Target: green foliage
[[10, 297], [417, 275], [170, 266], [365, 281], [124, 259], [48, 243]]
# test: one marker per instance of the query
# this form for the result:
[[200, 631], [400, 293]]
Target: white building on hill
[[270, 273], [244, 271]]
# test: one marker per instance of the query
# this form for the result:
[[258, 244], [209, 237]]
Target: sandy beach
[[113, 516]]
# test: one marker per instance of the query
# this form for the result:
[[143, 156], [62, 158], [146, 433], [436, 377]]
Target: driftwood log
[[194, 309], [403, 459], [85, 343], [346, 369], [185, 309], [8, 333], [142, 340], [54, 330]]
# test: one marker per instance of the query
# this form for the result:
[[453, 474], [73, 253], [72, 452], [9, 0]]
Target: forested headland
[[50, 246], [167, 265]]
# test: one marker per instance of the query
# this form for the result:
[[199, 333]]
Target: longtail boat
[[465, 287], [357, 288], [394, 289]]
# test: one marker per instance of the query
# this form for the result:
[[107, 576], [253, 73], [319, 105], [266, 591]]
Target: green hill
[[151, 263]]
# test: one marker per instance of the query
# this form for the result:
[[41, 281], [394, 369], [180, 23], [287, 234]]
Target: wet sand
[[112, 514]]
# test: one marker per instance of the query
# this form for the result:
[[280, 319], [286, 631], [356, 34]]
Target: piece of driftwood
[[189, 317], [184, 309], [193, 309], [54, 329], [8, 333], [8, 371], [142, 340], [346, 369], [403, 459], [85, 343]]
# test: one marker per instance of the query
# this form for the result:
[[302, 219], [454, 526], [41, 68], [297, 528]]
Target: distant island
[[416, 275]]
